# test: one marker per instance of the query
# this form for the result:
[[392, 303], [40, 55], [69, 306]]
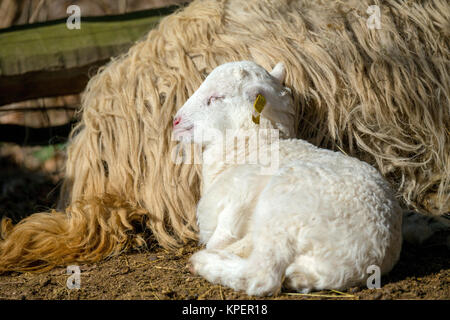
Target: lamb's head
[[225, 101]]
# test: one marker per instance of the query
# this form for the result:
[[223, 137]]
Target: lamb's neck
[[237, 148]]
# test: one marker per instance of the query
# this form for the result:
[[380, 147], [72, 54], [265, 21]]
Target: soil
[[423, 272]]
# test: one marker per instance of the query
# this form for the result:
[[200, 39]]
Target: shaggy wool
[[381, 95]]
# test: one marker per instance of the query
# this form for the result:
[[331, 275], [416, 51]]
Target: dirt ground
[[423, 272]]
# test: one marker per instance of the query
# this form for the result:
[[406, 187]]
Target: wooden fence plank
[[30, 136], [48, 59]]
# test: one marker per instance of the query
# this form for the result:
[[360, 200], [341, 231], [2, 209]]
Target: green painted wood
[[56, 46], [34, 58]]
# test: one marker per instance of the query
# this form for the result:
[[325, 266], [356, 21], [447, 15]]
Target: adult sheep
[[381, 95]]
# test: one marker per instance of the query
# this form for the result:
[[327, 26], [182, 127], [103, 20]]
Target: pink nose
[[176, 121]]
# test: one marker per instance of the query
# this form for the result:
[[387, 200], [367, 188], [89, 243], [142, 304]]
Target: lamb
[[318, 221]]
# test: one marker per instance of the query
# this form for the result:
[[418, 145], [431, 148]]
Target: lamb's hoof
[[263, 287], [198, 261], [191, 268]]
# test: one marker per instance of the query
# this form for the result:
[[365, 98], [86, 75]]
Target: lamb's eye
[[213, 98]]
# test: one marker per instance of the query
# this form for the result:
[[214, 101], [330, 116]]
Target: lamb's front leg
[[258, 274], [227, 205], [231, 225]]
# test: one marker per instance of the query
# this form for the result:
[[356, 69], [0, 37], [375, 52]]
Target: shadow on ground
[[24, 191]]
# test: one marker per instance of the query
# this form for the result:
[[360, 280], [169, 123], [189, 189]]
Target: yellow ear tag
[[258, 107]]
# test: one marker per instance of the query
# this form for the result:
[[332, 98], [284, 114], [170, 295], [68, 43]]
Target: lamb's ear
[[279, 72]]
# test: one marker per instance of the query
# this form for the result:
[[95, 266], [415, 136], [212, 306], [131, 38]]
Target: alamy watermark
[[74, 20], [248, 147], [374, 280], [74, 281], [374, 20], [251, 147]]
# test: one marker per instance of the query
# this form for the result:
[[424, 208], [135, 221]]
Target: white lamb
[[318, 222]]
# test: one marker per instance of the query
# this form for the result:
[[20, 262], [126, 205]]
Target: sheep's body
[[319, 221]]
